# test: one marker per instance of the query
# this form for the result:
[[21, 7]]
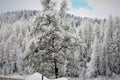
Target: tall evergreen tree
[[50, 40]]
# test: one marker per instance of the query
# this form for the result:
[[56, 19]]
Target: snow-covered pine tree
[[116, 47], [94, 64], [50, 40], [108, 47]]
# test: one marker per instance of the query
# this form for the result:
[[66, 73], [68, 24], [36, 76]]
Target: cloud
[[83, 12], [77, 4], [13, 5], [106, 7], [100, 9]]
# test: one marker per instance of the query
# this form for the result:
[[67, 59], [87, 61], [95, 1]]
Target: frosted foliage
[[93, 66], [63, 8], [40, 41], [13, 36], [49, 43], [107, 66]]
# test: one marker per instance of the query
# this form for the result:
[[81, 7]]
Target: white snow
[[18, 76], [36, 76], [63, 78]]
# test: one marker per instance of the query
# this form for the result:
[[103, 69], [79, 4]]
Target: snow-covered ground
[[38, 76], [14, 76], [19, 77], [60, 79]]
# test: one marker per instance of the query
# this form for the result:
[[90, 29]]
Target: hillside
[[34, 41]]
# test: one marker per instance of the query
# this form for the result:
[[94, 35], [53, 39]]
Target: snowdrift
[[36, 76], [61, 78]]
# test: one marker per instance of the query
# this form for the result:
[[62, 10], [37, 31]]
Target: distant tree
[[94, 64]]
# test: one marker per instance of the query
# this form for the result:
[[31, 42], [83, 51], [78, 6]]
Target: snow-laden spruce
[[52, 41]]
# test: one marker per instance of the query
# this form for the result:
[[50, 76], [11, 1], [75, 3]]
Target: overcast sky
[[84, 8]]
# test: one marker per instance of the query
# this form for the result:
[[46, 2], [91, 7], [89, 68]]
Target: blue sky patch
[[77, 4]]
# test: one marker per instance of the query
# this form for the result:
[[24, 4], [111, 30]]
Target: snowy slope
[[99, 56], [36, 76]]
